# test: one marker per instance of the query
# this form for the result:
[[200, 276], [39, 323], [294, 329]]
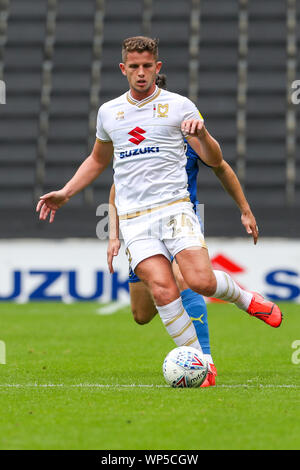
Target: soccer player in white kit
[[144, 130]]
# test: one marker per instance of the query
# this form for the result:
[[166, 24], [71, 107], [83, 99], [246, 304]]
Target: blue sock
[[195, 306]]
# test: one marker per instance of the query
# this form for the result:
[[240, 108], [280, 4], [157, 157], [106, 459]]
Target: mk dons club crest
[[160, 110]]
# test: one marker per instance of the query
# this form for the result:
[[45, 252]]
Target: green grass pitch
[[74, 379]]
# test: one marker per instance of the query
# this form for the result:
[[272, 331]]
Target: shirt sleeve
[[101, 133], [189, 111]]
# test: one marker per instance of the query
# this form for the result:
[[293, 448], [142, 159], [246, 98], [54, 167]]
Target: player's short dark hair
[[161, 81], [139, 44]]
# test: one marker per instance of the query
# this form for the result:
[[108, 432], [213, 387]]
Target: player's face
[[141, 69]]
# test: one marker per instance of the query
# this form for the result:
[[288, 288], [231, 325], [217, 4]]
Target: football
[[185, 367]]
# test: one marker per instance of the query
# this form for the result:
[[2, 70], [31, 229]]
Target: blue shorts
[[132, 277]]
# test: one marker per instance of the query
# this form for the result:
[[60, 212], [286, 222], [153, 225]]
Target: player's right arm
[[114, 241], [88, 171]]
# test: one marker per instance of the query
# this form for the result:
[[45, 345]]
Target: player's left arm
[[210, 153], [202, 142], [232, 185]]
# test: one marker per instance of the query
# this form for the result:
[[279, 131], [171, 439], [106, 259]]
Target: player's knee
[[164, 294], [205, 285], [140, 317]]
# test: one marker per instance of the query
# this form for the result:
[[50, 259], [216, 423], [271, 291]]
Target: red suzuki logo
[[137, 138]]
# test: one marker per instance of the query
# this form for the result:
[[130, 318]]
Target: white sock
[[209, 358], [178, 324], [227, 289]]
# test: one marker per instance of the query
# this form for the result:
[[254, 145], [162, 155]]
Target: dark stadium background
[[235, 59]]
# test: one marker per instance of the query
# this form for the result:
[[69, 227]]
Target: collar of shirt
[[139, 102]]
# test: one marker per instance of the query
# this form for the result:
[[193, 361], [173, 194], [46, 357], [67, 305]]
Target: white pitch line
[[81, 386], [112, 308], [122, 386]]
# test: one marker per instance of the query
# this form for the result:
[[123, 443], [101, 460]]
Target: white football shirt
[[149, 158]]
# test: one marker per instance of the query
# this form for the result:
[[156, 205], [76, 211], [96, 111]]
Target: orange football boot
[[210, 379], [265, 310]]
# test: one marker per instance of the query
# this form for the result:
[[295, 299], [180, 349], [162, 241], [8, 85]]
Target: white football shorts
[[165, 231]]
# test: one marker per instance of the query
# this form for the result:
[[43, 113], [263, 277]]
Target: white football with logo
[[185, 367]]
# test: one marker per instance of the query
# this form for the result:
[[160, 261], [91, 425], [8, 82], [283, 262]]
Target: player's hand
[[249, 222], [49, 203], [193, 128], [112, 251]]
